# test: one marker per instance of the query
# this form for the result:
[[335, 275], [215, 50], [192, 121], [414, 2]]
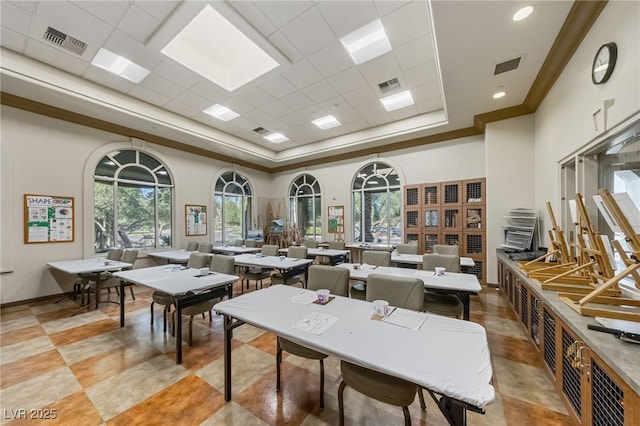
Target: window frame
[[235, 179], [316, 198]]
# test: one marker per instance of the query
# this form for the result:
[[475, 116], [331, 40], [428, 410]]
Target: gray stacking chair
[[309, 243], [440, 302], [334, 279], [86, 282], [446, 249], [250, 243], [198, 260], [238, 242], [192, 246], [370, 257], [292, 276], [205, 247], [407, 248], [259, 274], [403, 292]]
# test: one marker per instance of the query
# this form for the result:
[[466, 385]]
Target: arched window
[[133, 198], [232, 199], [376, 204], [305, 207]]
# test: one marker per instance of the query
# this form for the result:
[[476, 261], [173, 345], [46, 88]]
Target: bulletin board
[[336, 219], [48, 219], [195, 220]]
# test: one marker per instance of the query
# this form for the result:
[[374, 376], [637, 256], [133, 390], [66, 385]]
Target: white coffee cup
[[356, 266], [439, 271], [323, 295], [204, 271], [381, 308]]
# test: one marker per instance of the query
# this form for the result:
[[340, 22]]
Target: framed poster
[[195, 220], [48, 219], [336, 219]]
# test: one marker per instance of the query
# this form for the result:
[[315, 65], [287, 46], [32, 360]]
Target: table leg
[[227, 358], [122, 287], [464, 297], [178, 326], [98, 290]]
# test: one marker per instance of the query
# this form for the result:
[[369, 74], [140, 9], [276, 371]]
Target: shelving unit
[[520, 229]]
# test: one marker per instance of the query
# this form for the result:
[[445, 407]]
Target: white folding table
[[448, 357], [281, 263], [89, 266], [462, 284], [187, 286], [416, 259], [332, 254], [234, 250]]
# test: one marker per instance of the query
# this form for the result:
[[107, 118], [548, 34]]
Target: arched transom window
[[232, 199], [305, 207], [133, 199]]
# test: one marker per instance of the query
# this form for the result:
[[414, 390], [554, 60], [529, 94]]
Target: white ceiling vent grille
[[65, 41], [509, 65], [261, 131], [389, 85]]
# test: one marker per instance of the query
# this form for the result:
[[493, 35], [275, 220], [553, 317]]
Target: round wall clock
[[604, 62]]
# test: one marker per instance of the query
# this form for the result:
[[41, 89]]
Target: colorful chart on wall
[[336, 219], [196, 220], [48, 219]]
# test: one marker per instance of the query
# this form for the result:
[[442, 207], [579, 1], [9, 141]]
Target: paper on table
[[315, 323], [305, 297], [406, 318]]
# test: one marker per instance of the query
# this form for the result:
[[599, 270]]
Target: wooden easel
[[612, 307]]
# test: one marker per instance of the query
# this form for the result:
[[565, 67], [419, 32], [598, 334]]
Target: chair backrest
[[192, 246], [336, 245], [114, 253], [333, 278], [403, 292], [449, 262], [130, 256], [238, 242], [250, 243], [310, 243], [297, 252], [223, 264], [270, 250], [446, 249], [407, 248], [205, 247], [376, 257], [198, 260]]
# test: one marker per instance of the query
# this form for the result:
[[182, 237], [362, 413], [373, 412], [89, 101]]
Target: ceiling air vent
[[509, 65], [261, 131], [389, 85], [66, 42]]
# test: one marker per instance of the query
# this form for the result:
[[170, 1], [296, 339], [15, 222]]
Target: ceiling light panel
[[118, 65], [367, 42], [213, 47], [276, 138], [397, 101], [326, 122], [221, 112]]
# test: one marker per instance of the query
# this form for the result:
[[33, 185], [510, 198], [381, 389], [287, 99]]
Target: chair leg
[[164, 320], [407, 416], [151, 312], [133, 296], [321, 384], [191, 330], [423, 406], [278, 362], [341, 403]]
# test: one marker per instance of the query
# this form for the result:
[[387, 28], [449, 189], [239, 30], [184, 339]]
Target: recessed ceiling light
[[221, 112], [397, 101], [276, 137], [326, 122], [522, 13], [499, 94], [213, 47], [118, 65], [367, 42]]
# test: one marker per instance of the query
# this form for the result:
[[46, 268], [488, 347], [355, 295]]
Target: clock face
[[604, 63]]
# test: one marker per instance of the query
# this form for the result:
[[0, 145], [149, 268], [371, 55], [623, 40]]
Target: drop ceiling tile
[[371, 109], [356, 125], [281, 42], [244, 124], [296, 100], [277, 126], [422, 74], [347, 115], [402, 113], [127, 46], [138, 24], [161, 85], [378, 119], [309, 32], [292, 120], [255, 96], [177, 73], [159, 9], [193, 100], [331, 60], [209, 90], [277, 86], [237, 104], [259, 116], [380, 69], [426, 91], [109, 12], [282, 12], [149, 95], [344, 17], [335, 105], [347, 80], [12, 40], [56, 57], [14, 18], [277, 109], [320, 91], [29, 6], [181, 108], [360, 96], [415, 52], [429, 105], [107, 79], [407, 23], [302, 74], [312, 112], [386, 7], [252, 14]]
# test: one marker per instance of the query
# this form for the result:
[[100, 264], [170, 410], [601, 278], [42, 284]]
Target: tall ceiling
[[444, 52]]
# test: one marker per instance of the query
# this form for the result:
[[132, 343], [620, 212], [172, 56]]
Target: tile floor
[[86, 370]]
